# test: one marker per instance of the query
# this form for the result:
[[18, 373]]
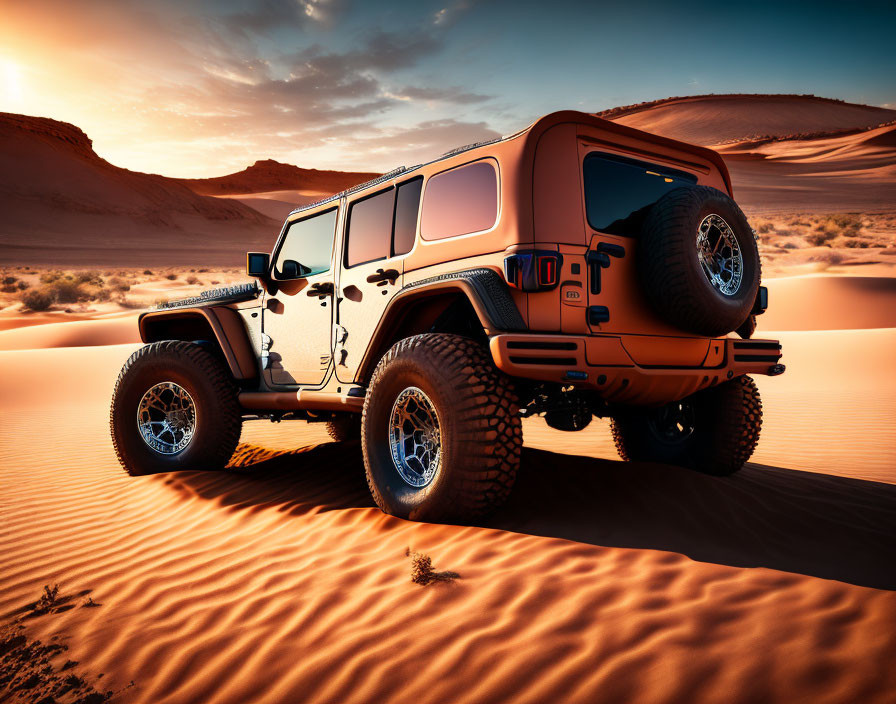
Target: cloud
[[448, 94]]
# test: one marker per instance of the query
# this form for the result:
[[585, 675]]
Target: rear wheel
[[441, 432], [713, 431], [174, 407]]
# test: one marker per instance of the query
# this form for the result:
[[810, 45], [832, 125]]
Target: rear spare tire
[[441, 430], [698, 261]]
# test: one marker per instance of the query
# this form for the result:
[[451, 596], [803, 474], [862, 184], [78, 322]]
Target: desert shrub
[[764, 228], [22, 285], [116, 283], [214, 283], [50, 276], [192, 279], [820, 239], [171, 277], [92, 278], [37, 299], [203, 271], [67, 290], [147, 272], [9, 280], [8, 288], [102, 294]]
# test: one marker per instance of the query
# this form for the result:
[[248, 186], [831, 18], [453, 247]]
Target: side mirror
[[257, 264], [292, 270]]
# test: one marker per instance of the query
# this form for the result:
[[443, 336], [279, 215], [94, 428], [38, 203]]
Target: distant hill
[[63, 204], [785, 152], [719, 119], [269, 175]]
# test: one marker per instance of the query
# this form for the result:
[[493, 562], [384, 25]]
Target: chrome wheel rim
[[719, 255], [673, 423], [166, 418], [415, 438]]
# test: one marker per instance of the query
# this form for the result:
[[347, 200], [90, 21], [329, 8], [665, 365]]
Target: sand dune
[[598, 582], [819, 302], [82, 333], [716, 119]]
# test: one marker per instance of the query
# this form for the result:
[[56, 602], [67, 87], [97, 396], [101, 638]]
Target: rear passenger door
[[380, 229]]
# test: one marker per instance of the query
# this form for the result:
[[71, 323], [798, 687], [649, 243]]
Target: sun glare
[[12, 83]]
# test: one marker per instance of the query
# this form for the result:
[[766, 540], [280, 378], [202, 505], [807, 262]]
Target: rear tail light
[[533, 270]]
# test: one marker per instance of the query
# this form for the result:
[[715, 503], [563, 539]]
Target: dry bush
[[91, 278], [49, 277], [67, 290], [22, 285], [422, 572], [171, 277], [37, 300], [820, 239], [192, 279], [147, 272], [118, 284], [9, 280]]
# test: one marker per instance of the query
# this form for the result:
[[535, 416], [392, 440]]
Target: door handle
[[324, 288], [382, 276]]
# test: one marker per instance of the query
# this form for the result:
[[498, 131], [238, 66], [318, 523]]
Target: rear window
[[460, 201], [619, 191]]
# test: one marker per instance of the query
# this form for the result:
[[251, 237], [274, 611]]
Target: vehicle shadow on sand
[[801, 522]]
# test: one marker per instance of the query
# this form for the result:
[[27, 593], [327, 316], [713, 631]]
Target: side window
[[460, 201], [369, 228], [308, 242], [407, 206]]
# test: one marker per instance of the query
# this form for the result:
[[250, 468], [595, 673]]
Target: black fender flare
[[484, 289], [227, 328]]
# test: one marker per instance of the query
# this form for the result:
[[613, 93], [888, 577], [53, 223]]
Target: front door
[[296, 320], [379, 231]]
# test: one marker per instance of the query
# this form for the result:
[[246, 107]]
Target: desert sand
[[600, 581]]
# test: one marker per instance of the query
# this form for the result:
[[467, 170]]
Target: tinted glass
[[407, 205], [370, 229], [310, 243], [460, 201], [619, 191]]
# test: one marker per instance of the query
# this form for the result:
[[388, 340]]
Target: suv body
[[527, 245]]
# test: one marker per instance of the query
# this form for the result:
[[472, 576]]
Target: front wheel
[[713, 431], [441, 431], [174, 407]]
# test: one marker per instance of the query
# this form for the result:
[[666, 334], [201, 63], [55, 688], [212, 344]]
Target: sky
[[197, 88]]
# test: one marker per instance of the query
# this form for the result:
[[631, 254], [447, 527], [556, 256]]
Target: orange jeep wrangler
[[578, 268]]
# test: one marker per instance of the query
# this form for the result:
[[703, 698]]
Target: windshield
[[619, 191]]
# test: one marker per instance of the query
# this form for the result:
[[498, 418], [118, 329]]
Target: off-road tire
[[747, 328], [728, 421], [671, 276], [480, 429], [345, 427], [209, 383]]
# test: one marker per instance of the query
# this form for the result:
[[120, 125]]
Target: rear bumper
[[667, 368]]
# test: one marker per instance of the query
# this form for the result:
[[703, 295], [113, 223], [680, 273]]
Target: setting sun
[[12, 83]]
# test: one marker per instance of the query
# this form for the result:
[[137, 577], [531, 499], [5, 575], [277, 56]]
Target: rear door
[[380, 229], [619, 192]]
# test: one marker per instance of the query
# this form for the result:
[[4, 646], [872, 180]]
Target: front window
[[460, 201], [309, 243], [619, 191]]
